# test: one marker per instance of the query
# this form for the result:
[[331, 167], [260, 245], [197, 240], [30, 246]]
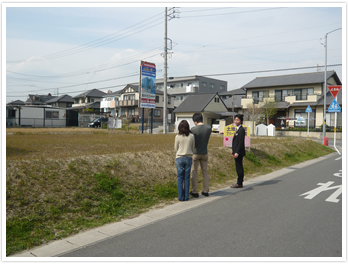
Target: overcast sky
[[69, 50]]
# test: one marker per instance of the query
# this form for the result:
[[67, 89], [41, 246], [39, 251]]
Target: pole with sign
[[147, 88], [335, 107], [308, 110]]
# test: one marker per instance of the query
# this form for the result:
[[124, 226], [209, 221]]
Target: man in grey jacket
[[200, 154]]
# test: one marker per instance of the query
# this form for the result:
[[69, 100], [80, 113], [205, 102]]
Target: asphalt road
[[287, 216]]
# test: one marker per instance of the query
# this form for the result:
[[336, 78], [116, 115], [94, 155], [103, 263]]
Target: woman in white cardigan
[[184, 146]]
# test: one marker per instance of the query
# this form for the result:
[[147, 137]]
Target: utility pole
[[165, 75], [165, 98], [325, 85]]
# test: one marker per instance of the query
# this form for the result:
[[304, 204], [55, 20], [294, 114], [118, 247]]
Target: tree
[[254, 112], [270, 109]]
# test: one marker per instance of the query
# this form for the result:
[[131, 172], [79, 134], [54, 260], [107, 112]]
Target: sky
[[71, 48]]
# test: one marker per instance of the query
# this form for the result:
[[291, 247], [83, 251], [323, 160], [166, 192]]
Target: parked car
[[216, 126], [97, 122]]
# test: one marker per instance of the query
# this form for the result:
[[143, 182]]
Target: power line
[[240, 12], [103, 67], [203, 10], [96, 43], [236, 73], [274, 70]]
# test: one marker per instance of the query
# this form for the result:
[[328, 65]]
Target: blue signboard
[[148, 85], [334, 107], [309, 109]]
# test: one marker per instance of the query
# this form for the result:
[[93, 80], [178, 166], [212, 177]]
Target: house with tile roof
[[64, 101], [36, 99], [183, 86], [88, 101], [128, 105], [211, 105], [293, 94]]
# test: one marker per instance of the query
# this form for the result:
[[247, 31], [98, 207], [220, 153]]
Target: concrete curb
[[95, 235]]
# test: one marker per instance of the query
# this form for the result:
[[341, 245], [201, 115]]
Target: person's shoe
[[205, 194], [236, 186], [195, 195]]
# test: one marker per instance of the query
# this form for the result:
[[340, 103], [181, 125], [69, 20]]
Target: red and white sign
[[334, 90]]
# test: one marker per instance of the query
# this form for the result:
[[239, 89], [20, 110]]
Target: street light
[[325, 85]]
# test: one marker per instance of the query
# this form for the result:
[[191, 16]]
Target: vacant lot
[[62, 181]]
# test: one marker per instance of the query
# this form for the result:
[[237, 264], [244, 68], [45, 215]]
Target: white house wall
[[35, 117], [215, 106]]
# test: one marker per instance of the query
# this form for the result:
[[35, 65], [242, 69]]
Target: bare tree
[[270, 109], [254, 113]]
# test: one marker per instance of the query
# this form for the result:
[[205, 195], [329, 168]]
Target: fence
[[35, 122], [84, 119]]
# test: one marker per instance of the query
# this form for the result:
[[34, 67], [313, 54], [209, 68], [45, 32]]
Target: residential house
[[38, 99], [16, 103], [109, 104], [38, 116], [233, 99], [64, 101], [88, 101], [293, 94], [128, 104], [210, 105], [182, 87]]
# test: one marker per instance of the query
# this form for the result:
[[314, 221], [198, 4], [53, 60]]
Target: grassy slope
[[62, 181]]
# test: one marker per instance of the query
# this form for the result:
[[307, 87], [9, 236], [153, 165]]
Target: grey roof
[[91, 93], [38, 99], [185, 78], [116, 93], [91, 105], [294, 79], [238, 91], [16, 102], [196, 103], [234, 102], [63, 98]]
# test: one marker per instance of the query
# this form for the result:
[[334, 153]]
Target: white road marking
[[323, 187]]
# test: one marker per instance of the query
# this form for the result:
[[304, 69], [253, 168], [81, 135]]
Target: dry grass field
[[61, 181]]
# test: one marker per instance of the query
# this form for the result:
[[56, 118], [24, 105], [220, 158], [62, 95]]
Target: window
[[169, 100], [278, 95], [212, 85], [287, 93], [204, 84], [259, 95], [300, 116], [52, 114], [157, 113], [157, 99], [131, 112], [217, 100], [222, 87], [92, 99], [11, 113], [302, 93]]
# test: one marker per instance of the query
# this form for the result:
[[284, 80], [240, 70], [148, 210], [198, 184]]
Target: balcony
[[127, 103]]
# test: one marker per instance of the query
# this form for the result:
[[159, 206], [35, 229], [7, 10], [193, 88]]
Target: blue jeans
[[183, 166]]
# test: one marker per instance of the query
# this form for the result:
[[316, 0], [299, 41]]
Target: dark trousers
[[240, 170]]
